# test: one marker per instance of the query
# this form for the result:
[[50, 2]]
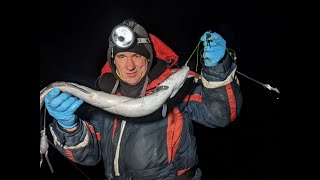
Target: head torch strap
[[143, 40], [130, 22], [111, 45]]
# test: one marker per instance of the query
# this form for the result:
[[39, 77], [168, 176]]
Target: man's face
[[131, 67]]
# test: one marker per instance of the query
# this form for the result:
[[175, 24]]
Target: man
[[157, 146]]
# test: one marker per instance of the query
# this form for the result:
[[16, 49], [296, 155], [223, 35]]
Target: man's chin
[[132, 81]]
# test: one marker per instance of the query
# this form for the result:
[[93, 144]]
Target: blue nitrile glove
[[62, 107], [214, 48]]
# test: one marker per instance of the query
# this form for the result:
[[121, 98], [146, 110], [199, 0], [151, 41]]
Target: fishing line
[[197, 48], [72, 163], [232, 54], [44, 146], [44, 139]]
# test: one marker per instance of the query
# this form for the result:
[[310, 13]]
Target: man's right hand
[[62, 107]]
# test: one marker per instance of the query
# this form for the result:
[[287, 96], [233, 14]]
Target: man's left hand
[[214, 48]]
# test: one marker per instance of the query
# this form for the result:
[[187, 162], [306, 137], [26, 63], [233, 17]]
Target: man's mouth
[[131, 74]]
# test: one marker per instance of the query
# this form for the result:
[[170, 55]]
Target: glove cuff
[[70, 123], [66, 126]]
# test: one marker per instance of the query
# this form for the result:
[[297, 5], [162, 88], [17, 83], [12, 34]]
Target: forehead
[[126, 54]]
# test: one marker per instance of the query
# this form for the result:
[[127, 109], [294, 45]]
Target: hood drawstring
[[123, 124]]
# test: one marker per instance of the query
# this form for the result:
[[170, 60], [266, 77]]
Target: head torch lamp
[[123, 37]]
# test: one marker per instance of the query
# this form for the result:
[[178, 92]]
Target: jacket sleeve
[[81, 146], [217, 100]]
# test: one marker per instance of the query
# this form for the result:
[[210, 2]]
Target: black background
[[73, 43]]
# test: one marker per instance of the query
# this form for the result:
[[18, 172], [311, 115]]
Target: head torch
[[124, 37]]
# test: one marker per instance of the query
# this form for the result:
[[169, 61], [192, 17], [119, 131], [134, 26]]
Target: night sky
[[73, 45]]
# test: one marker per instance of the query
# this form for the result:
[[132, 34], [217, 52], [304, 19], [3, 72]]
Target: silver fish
[[122, 105]]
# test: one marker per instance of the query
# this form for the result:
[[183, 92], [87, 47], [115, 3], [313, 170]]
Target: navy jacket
[[154, 149]]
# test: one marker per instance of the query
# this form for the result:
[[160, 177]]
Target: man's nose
[[130, 64]]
